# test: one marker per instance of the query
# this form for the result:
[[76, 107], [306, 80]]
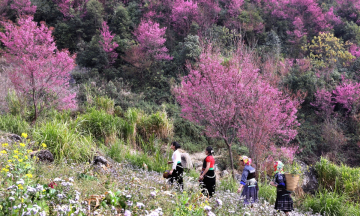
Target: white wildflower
[[207, 208], [219, 202], [210, 213], [21, 181], [127, 213], [31, 189], [140, 205], [39, 188]]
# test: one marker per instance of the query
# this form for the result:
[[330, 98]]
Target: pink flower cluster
[[107, 44]]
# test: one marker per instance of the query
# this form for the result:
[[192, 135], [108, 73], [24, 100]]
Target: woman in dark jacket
[[207, 178], [248, 182], [283, 201]]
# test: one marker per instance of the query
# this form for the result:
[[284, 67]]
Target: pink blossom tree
[[70, 7], [107, 44], [306, 16], [183, 14], [23, 7], [234, 9], [208, 13], [39, 71], [151, 40], [348, 9], [347, 94], [232, 100]]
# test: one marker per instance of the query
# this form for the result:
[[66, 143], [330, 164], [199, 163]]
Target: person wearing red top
[[207, 178]]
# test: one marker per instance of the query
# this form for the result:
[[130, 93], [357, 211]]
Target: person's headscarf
[[279, 167], [246, 160]]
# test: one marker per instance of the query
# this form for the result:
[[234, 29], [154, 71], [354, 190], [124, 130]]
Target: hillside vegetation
[[272, 79]]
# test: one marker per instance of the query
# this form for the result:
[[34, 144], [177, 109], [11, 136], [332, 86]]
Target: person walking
[[283, 201], [207, 177], [248, 182], [176, 173]]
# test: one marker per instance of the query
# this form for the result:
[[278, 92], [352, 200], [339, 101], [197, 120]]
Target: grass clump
[[228, 184], [64, 140], [121, 152], [331, 203], [100, 124], [342, 178], [105, 103], [14, 124], [267, 192], [158, 124]]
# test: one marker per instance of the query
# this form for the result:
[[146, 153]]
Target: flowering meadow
[[65, 188], [269, 79]]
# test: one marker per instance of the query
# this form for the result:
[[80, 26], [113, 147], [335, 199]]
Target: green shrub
[[15, 104], [14, 124], [129, 128], [192, 173], [189, 135], [341, 178], [330, 203], [228, 183], [267, 192], [117, 151], [64, 140], [157, 123], [105, 103], [100, 124], [121, 152]]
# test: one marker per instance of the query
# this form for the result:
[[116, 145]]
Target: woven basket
[[166, 174], [291, 181]]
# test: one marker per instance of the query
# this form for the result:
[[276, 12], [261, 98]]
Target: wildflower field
[[66, 188]]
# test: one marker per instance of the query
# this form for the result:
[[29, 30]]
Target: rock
[[15, 137], [310, 183], [238, 177], [98, 160], [43, 155], [198, 164], [186, 161], [224, 173], [9, 138]]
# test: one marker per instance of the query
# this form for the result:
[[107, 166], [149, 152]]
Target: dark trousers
[[177, 176], [208, 184]]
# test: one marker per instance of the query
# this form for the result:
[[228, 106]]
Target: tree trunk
[[35, 108], [231, 159]]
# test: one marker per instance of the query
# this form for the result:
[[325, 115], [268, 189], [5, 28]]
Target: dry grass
[[5, 86]]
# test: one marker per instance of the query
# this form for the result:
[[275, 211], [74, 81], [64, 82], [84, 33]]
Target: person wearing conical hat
[[283, 201], [248, 183]]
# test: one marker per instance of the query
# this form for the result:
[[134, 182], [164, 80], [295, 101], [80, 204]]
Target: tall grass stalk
[[64, 140], [14, 124], [101, 125], [342, 178], [266, 191], [121, 152], [330, 203]]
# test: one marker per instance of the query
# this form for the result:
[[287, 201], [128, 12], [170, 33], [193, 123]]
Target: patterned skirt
[[284, 201], [250, 194]]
